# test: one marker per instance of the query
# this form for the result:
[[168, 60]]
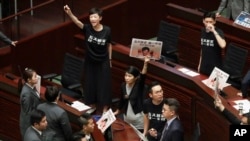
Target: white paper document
[[106, 120], [217, 76], [245, 105], [188, 72], [79, 106]]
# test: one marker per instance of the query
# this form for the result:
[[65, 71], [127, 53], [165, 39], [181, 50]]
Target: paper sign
[[217, 77], [141, 48], [106, 120], [243, 19]]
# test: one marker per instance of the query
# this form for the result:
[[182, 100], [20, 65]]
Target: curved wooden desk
[[197, 100], [195, 97]]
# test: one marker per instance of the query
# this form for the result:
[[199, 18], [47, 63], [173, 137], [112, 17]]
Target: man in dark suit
[[38, 125], [173, 130], [59, 128]]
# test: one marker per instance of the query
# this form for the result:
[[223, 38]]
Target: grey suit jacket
[[233, 7], [32, 135], [174, 132], [59, 128], [29, 101]]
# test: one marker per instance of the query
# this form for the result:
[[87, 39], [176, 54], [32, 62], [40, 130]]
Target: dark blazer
[[230, 117], [136, 96], [29, 101], [174, 132], [59, 128], [32, 135]]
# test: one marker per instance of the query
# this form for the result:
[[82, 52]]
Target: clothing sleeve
[[222, 6], [65, 125], [142, 85], [27, 102], [5, 39], [122, 99], [230, 117], [177, 136], [145, 109], [109, 39], [246, 5]]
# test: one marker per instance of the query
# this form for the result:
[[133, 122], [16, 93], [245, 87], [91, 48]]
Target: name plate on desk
[[243, 19]]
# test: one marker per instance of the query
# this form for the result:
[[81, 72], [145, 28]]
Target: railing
[[16, 26], [33, 19]]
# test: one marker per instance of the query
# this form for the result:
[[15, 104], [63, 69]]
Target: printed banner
[[141, 48]]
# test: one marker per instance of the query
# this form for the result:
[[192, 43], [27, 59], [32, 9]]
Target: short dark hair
[[173, 104], [133, 70], [36, 116], [154, 83], [95, 11], [145, 48], [84, 119], [209, 15], [51, 93], [28, 73]]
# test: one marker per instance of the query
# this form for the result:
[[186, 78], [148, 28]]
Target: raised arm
[[73, 17], [220, 40], [145, 66], [221, 7]]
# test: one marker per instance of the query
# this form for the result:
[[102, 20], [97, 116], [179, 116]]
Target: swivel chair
[[168, 33], [71, 77], [234, 63]]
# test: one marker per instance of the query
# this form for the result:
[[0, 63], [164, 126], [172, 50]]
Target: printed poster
[[106, 120], [217, 79], [243, 19], [141, 48]]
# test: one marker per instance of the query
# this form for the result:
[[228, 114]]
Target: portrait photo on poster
[[141, 48]]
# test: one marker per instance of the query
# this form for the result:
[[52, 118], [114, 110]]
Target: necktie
[[164, 131], [35, 89]]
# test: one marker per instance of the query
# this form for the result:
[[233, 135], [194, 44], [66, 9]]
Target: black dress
[[97, 72]]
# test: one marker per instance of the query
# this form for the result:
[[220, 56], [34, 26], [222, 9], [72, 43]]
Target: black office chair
[[233, 64], [71, 77], [169, 33]]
